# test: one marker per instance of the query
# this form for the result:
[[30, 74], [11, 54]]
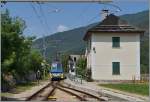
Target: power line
[[44, 23], [82, 14], [39, 17], [84, 11], [41, 21], [45, 20], [93, 18], [112, 5]]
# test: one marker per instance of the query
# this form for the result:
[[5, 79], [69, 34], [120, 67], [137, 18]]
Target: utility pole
[[44, 47]]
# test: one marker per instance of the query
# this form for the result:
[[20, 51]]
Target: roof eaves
[[88, 34]]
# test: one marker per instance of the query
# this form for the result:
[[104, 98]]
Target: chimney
[[104, 13]]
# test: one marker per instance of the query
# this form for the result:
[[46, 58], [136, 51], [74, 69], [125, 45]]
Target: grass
[[24, 87], [5, 94], [141, 88], [19, 88], [27, 86]]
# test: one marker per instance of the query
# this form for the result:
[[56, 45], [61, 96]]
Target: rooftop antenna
[[118, 9], [105, 12]]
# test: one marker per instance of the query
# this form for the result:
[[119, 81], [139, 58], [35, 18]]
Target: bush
[[89, 75], [81, 67]]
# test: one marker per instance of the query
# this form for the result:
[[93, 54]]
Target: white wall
[[128, 55]]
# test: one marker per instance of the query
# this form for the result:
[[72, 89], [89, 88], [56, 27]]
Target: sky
[[42, 20]]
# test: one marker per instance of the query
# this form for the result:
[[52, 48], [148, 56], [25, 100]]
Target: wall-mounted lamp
[[94, 49]]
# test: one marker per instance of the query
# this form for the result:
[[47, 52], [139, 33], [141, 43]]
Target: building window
[[89, 45], [115, 68], [74, 59], [115, 41]]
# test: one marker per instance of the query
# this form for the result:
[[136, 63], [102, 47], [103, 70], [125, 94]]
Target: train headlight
[[56, 75], [62, 76]]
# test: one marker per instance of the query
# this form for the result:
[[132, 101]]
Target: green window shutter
[[116, 68], [116, 41]]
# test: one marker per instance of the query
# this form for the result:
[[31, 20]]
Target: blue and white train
[[56, 71]]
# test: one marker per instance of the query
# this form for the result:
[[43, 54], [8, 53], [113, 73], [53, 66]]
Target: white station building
[[113, 50]]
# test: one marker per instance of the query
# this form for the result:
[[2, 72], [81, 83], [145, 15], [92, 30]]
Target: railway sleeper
[[97, 97], [78, 96]]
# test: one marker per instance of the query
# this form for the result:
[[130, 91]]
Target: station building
[[113, 50]]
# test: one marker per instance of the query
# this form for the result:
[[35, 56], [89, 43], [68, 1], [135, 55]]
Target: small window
[[116, 68], [74, 59], [115, 41]]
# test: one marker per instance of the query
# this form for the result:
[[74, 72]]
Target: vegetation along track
[[49, 90]]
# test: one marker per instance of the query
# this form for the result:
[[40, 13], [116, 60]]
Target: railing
[[143, 78], [76, 78]]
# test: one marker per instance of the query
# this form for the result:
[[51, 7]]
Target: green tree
[[35, 60], [145, 56], [64, 60], [81, 67], [17, 58]]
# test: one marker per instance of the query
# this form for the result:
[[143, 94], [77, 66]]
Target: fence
[[75, 78], [143, 78]]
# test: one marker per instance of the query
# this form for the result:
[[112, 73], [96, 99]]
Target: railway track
[[85, 94], [41, 94], [53, 88]]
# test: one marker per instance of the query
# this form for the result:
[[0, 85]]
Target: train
[[56, 71]]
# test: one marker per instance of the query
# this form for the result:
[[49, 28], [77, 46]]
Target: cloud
[[62, 28]]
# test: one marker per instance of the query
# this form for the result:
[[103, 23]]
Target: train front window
[[59, 66], [56, 67]]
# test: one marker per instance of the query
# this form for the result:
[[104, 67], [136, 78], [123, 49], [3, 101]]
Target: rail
[[81, 91], [46, 92], [38, 92]]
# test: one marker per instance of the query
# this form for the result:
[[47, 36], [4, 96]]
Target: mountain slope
[[71, 42], [139, 19]]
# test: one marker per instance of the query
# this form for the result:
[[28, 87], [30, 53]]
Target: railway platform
[[117, 95]]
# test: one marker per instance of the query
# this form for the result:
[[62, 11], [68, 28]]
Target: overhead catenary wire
[[42, 23], [93, 18], [83, 12], [118, 9], [46, 24], [39, 17], [45, 19]]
